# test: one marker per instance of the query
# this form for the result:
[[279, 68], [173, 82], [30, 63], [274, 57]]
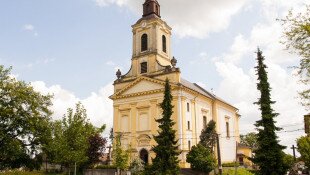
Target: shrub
[[137, 166], [230, 164], [105, 167], [201, 159]]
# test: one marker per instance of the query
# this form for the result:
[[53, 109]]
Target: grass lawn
[[240, 171]]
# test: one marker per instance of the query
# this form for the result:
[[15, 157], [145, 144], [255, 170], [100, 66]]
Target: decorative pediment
[[141, 86], [144, 140]]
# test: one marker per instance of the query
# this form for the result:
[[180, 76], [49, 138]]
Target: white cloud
[[99, 107], [201, 84], [103, 3], [28, 27], [239, 87], [190, 18], [46, 60], [43, 61], [110, 63], [265, 34], [238, 83]]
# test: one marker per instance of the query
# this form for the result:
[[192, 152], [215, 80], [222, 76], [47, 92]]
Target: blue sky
[[71, 48], [71, 42]]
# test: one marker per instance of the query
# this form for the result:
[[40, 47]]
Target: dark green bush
[[105, 167]]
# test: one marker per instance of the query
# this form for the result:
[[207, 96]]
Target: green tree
[[166, 159], [97, 145], [269, 154], [208, 136], [297, 38], [249, 140], [201, 159], [288, 160], [70, 143], [24, 121], [303, 147], [120, 156], [137, 167]]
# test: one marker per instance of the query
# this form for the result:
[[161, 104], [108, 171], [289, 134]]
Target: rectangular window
[[143, 67], [227, 129], [189, 145], [187, 107], [124, 124], [143, 122], [188, 125]]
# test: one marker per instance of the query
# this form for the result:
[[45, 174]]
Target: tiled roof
[[199, 89]]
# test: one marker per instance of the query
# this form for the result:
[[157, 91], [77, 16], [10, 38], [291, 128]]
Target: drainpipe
[[180, 112], [196, 120]]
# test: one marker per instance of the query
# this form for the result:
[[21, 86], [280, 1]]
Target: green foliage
[[201, 159], [208, 136], [166, 160], [249, 140], [71, 135], [269, 154], [96, 148], [120, 156], [105, 167], [289, 160], [230, 164], [240, 171], [297, 38], [303, 147], [137, 167], [24, 122]]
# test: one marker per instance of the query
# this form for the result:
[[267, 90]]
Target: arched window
[[204, 121], [187, 107], [144, 156], [157, 11], [144, 42], [143, 67], [164, 43], [227, 130]]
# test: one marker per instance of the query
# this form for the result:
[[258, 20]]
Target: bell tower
[[151, 42], [151, 48]]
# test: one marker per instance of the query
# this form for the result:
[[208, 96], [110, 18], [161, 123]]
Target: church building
[[139, 92]]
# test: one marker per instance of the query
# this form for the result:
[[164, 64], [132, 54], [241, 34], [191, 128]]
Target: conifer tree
[[166, 160], [269, 155], [208, 136]]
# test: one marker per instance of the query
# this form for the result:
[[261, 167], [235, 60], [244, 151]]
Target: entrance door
[[144, 155]]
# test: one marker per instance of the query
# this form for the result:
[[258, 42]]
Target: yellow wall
[[137, 97]]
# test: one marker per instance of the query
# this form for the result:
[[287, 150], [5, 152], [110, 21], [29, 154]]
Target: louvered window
[[164, 40], [144, 42], [143, 67]]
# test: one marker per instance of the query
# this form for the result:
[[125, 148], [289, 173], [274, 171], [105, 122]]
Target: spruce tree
[[166, 161], [208, 136], [269, 155]]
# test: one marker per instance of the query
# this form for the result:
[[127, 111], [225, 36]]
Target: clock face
[[143, 24]]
